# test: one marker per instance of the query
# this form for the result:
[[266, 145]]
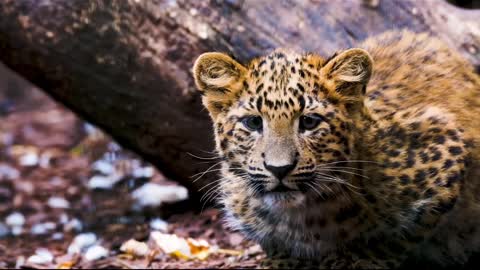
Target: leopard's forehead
[[283, 83]]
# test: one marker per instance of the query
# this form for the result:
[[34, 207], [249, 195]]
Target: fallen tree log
[[124, 65]]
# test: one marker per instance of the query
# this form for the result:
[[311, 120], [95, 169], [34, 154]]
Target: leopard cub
[[366, 159]]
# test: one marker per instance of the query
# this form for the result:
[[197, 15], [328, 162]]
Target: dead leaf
[[135, 248], [182, 248]]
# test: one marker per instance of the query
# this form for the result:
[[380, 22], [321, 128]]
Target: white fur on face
[[281, 201]]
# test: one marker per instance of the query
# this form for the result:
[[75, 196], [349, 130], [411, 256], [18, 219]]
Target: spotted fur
[[391, 172]]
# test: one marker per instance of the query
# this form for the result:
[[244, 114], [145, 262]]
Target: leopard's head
[[284, 124]]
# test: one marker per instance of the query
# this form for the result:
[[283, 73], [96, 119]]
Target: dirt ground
[[48, 158]]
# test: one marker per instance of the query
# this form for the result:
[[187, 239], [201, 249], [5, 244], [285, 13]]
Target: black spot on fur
[[415, 125], [300, 86], [437, 155], [447, 164], [405, 179], [302, 73], [347, 213], [439, 139], [455, 150], [395, 165], [393, 153], [409, 192], [424, 157], [452, 179], [259, 88], [429, 193], [224, 144], [420, 176], [445, 205], [301, 100], [410, 160], [259, 104], [435, 129], [432, 172]]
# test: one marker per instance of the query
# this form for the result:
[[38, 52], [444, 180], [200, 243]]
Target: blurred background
[[64, 183]]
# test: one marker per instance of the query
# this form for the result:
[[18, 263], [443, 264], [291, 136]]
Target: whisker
[[202, 158], [316, 191], [256, 189], [210, 170], [211, 183], [217, 192], [326, 176], [204, 172], [352, 173], [212, 189], [209, 152], [207, 194], [325, 187], [342, 167], [350, 186], [212, 196], [206, 162], [352, 161], [334, 179]]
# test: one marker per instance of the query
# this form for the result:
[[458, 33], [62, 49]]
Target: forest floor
[[61, 179]]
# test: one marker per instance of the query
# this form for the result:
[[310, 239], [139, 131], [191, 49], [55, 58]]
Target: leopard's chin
[[284, 200]]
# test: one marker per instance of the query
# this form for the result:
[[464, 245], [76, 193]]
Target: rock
[[42, 228], [104, 182], [57, 236], [8, 172], [90, 128], [44, 160], [153, 195], [82, 242], [58, 202], [15, 219], [63, 219], [143, 172], [95, 253], [42, 256], [17, 230], [4, 231], [73, 225], [103, 167], [30, 159], [159, 224], [20, 262]]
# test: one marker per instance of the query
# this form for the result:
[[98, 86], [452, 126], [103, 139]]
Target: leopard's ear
[[219, 78], [347, 74]]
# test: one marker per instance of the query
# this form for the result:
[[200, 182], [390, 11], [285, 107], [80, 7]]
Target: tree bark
[[125, 64]]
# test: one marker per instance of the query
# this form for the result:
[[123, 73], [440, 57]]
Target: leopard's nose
[[280, 171]]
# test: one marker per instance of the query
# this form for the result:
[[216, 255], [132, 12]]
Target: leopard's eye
[[253, 123], [309, 122]]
